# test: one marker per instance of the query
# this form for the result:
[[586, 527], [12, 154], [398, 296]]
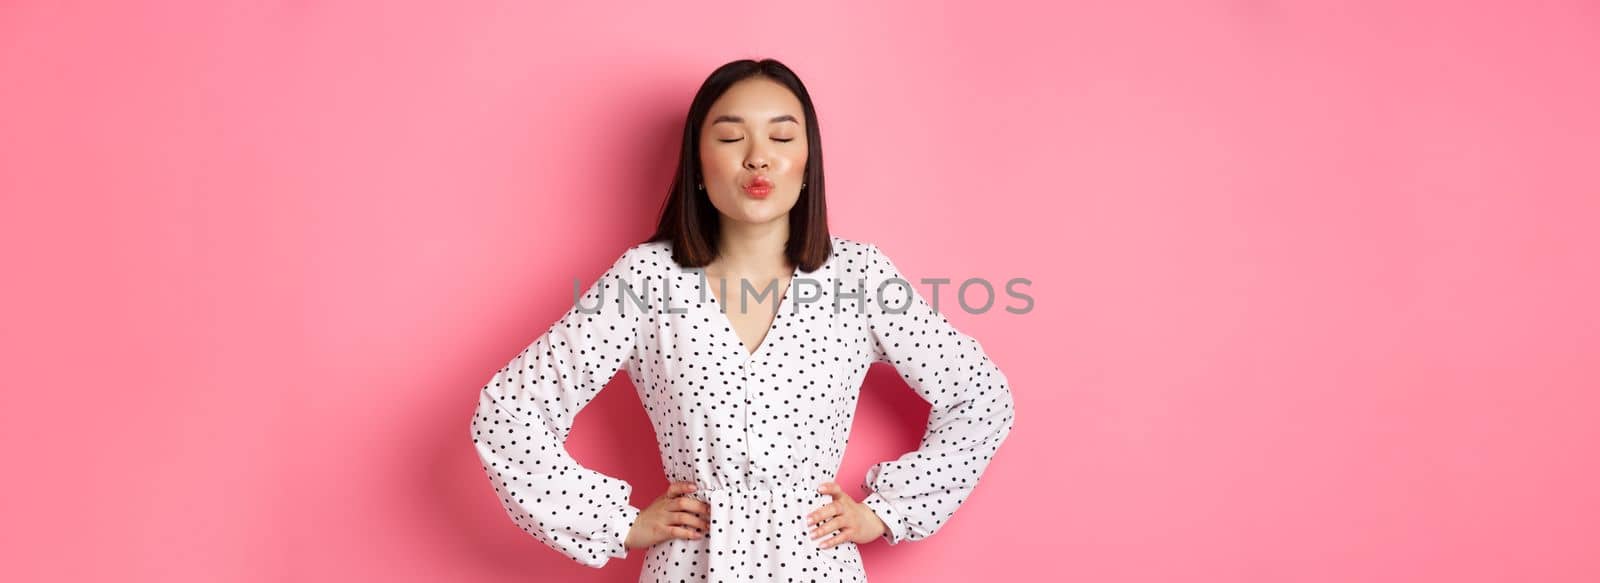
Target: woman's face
[[754, 133]]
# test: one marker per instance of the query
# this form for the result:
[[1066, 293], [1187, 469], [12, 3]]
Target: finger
[[821, 513], [685, 532], [829, 525], [837, 492], [687, 504], [680, 488], [699, 506], [843, 536], [688, 519]]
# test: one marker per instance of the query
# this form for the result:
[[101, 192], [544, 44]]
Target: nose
[[755, 163]]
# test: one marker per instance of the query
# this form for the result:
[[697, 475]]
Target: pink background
[[1315, 282]]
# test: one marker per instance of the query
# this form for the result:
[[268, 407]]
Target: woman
[[752, 394]]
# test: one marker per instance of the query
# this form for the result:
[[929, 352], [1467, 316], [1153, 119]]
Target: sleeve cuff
[[891, 519], [620, 525]]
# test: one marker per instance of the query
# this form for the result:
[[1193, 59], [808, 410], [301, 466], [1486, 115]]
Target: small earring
[[802, 185], [700, 187]]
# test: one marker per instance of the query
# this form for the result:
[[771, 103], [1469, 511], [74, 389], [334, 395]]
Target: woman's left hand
[[856, 522]]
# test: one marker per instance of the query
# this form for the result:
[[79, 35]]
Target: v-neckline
[[766, 337]]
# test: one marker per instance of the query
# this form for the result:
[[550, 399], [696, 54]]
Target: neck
[[753, 249]]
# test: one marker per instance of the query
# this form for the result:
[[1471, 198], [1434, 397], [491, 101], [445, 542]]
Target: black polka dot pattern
[[756, 431]]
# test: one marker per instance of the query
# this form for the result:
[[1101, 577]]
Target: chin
[[757, 211], [757, 219]]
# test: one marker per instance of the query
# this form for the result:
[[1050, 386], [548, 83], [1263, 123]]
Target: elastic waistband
[[704, 493]]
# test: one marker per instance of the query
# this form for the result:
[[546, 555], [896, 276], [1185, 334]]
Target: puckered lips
[[758, 186]]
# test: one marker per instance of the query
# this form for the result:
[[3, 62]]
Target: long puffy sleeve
[[526, 410], [972, 410]]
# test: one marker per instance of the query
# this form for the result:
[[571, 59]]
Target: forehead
[[756, 100]]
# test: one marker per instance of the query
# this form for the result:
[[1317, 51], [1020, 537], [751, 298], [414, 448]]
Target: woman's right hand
[[672, 515]]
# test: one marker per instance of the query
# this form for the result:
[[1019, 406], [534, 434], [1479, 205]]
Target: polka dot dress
[[757, 432]]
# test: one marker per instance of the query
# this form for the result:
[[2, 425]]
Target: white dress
[[757, 432]]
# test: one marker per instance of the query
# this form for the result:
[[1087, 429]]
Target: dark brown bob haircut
[[688, 218]]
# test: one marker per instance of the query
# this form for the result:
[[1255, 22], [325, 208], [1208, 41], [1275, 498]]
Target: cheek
[[797, 163], [718, 161]]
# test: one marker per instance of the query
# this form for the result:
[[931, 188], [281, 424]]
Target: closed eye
[[773, 139]]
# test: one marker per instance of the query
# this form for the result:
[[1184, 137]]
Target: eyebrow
[[737, 119]]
